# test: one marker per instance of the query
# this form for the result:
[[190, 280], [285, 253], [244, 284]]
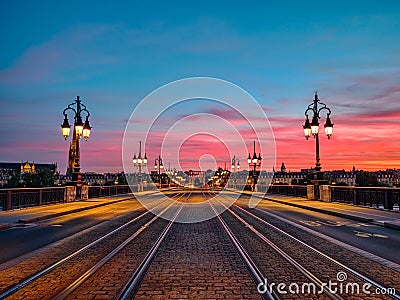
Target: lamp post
[[254, 163], [80, 130], [158, 165], [139, 162], [235, 167], [169, 173], [313, 129]]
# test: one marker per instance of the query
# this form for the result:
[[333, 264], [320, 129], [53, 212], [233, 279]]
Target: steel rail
[[255, 271], [349, 269], [58, 263], [129, 289], [74, 285], [286, 256]]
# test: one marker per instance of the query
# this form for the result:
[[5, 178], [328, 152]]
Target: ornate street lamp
[[80, 129], [170, 174], [254, 163], [235, 166], [158, 165], [139, 162], [313, 129]]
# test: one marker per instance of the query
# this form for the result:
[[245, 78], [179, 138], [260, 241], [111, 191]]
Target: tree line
[[43, 178]]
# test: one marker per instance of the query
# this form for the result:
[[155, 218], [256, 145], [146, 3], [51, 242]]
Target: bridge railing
[[111, 190], [282, 189], [379, 197], [26, 197], [17, 198], [288, 190]]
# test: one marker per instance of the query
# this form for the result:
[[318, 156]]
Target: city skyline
[[113, 56]]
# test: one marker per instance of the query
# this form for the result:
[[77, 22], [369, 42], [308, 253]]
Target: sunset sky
[[280, 52]]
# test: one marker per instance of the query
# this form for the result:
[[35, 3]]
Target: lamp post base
[[317, 181], [77, 182]]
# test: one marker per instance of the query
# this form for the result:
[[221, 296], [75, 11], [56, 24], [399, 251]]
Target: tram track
[[324, 256], [149, 255], [198, 261], [130, 288], [96, 246], [318, 267], [252, 267]]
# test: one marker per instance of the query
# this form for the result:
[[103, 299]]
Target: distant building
[[26, 167], [265, 177], [92, 178], [389, 176], [62, 179], [287, 177], [8, 169], [342, 177]]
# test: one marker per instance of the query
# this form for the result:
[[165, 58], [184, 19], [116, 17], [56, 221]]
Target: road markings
[[23, 226], [331, 223], [368, 235], [310, 223], [359, 225], [326, 223]]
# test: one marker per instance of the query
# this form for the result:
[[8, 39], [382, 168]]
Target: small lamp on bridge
[[307, 128], [159, 165], [86, 129], [79, 126], [254, 163], [65, 127], [233, 166], [139, 162], [328, 127]]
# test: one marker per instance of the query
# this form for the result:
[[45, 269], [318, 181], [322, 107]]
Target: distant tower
[[283, 168]]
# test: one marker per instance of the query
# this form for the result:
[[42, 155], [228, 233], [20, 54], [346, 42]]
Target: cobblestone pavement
[[198, 261], [365, 266], [111, 277], [47, 286], [195, 261], [321, 267], [274, 267], [47, 255]]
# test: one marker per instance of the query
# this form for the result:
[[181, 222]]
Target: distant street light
[[254, 163], [80, 129], [170, 173], [313, 128], [139, 162], [158, 165], [235, 167]]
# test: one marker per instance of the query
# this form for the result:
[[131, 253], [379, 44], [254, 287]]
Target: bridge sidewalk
[[390, 219], [12, 218]]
